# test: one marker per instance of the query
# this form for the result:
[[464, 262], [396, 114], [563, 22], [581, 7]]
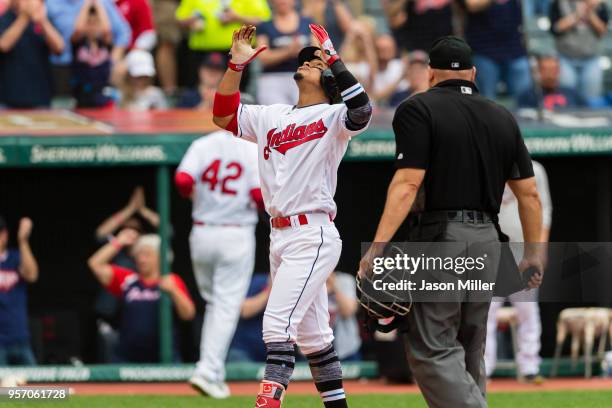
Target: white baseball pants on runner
[[528, 333], [301, 260], [223, 260]]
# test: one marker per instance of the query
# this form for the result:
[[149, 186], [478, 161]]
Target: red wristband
[[116, 244], [333, 59], [226, 105], [236, 67], [240, 67]]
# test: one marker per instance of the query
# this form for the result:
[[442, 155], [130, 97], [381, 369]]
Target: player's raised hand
[[242, 52], [25, 229], [329, 54]]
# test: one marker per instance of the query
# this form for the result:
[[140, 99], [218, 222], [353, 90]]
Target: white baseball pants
[[528, 333], [223, 260], [301, 260]]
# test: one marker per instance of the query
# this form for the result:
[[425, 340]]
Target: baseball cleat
[[270, 395], [535, 379], [216, 390]]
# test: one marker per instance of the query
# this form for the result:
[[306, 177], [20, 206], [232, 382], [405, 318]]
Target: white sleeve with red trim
[[191, 163], [250, 119]]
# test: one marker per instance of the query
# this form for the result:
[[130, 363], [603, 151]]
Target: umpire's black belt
[[465, 216]]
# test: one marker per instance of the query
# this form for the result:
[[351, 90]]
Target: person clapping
[[140, 292], [27, 38]]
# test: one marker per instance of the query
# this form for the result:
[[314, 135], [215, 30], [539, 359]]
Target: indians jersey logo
[[8, 280], [293, 136]]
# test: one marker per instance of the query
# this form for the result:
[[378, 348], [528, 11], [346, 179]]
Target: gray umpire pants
[[445, 341]]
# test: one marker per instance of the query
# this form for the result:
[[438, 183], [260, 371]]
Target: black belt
[[466, 216]]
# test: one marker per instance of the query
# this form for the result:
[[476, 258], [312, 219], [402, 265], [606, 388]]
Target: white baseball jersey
[[225, 171], [299, 151], [509, 220]]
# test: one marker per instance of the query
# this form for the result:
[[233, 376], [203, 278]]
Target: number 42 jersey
[[225, 172]]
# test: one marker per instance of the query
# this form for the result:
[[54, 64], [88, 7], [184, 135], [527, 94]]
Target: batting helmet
[[328, 81]]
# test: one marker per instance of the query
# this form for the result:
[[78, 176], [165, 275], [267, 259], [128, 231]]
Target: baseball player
[[526, 302], [219, 173], [299, 150]]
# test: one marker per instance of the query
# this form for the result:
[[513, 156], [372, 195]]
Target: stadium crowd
[[156, 54], [142, 55]]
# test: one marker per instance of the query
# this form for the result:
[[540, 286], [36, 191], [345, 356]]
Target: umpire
[[455, 151]]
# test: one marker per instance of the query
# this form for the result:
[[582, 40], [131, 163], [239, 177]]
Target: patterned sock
[[280, 363], [327, 374]]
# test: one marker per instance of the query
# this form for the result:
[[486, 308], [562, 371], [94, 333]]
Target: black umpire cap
[[450, 53]]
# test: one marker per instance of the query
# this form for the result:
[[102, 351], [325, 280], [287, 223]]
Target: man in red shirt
[[139, 16]]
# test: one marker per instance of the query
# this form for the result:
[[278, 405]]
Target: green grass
[[566, 399]]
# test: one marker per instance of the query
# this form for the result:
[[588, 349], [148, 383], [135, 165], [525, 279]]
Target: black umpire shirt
[[468, 145]]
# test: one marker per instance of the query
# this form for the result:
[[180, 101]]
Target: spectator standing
[[334, 15], [284, 35], [140, 292], [211, 24], [359, 52], [493, 30], [210, 74], [131, 217], [578, 27], [415, 24], [27, 38], [389, 78], [18, 267], [343, 306], [92, 43], [417, 76], [139, 16], [247, 344], [138, 92], [63, 14], [168, 37], [554, 95]]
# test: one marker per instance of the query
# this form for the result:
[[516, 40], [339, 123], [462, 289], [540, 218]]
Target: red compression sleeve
[[258, 198], [226, 105], [233, 125], [184, 183]]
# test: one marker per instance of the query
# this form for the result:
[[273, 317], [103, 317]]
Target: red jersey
[[139, 16]]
